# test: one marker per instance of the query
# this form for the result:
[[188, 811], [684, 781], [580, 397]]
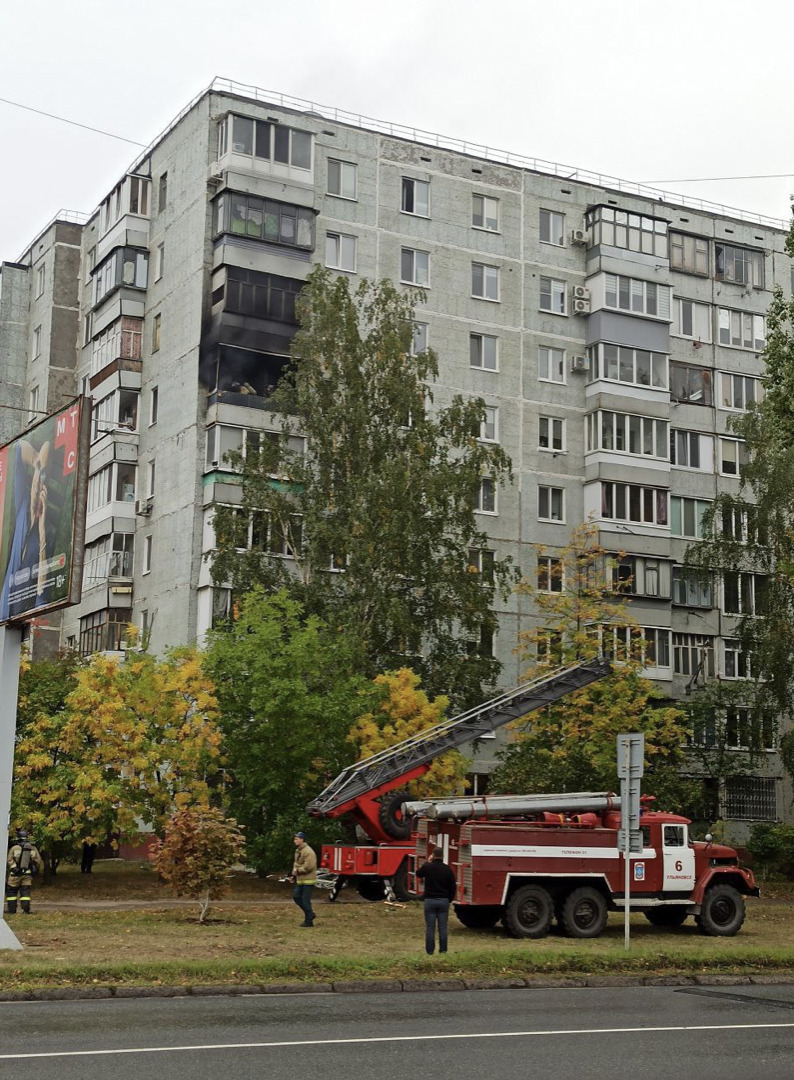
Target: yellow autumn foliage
[[405, 710]]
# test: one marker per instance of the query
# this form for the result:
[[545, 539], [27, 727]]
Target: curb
[[387, 986]]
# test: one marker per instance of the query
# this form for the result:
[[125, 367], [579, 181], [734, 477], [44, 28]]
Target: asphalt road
[[628, 1033]]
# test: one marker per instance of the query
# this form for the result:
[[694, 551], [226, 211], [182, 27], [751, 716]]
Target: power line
[[74, 123], [705, 179]]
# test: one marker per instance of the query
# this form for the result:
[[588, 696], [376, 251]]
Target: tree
[[405, 710], [371, 489], [581, 606], [197, 853], [44, 685], [289, 695], [132, 741], [749, 535]]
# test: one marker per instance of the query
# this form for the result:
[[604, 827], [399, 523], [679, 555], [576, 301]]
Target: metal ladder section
[[418, 750]]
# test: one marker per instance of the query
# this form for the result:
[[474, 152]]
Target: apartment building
[[613, 331]]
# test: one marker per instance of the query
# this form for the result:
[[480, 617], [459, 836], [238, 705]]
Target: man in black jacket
[[439, 894]]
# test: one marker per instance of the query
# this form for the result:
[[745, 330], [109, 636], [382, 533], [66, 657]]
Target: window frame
[[549, 492], [343, 167], [490, 275], [341, 240], [486, 200], [413, 252], [487, 484], [474, 338], [550, 216], [408, 193], [550, 422], [557, 289]]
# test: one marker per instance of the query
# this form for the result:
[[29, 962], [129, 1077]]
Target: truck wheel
[[722, 912], [481, 917], [370, 888], [667, 916], [529, 912], [391, 817], [584, 913]]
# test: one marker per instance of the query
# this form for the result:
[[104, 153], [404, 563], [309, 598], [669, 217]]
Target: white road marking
[[388, 1039]]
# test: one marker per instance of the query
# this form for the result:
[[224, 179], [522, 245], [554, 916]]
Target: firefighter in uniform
[[23, 862]]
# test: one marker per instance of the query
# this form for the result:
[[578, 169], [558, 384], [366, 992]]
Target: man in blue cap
[[304, 874]]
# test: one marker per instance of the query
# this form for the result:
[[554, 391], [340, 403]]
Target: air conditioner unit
[[581, 307], [143, 507], [580, 363], [580, 292], [579, 237]]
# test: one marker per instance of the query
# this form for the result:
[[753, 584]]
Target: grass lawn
[[250, 942]]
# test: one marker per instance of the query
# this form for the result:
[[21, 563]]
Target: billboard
[[43, 485]]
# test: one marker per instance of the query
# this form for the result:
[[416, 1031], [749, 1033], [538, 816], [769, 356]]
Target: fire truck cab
[[527, 871]]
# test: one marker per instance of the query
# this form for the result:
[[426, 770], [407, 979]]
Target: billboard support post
[[10, 648]]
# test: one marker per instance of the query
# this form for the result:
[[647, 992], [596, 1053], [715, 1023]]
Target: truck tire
[[722, 912], [529, 912], [481, 917], [370, 888], [667, 916], [584, 913], [391, 817]]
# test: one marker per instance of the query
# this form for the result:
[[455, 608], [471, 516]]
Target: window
[[419, 340], [152, 472], [485, 213], [109, 557], [691, 450], [342, 179], [40, 275], [415, 197], [160, 263], [147, 554], [690, 254], [632, 502], [693, 385], [655, 647], [552, 227], [113, 482], [483, 352], [635, 232], [139, 195], [627, 434], [481, 562], [743, 266], [414, 267], [744, 593], [686, 517], [551, 434], [740, 523], [484, 281], [117, 410], [751, 797], [269, 296], [266, 141], [638, 297], [691, 589], [124, 266], [256, 218], [104, 631], [550, 574], [551, 364], [156, 332], [33, 407], [88, 324], [121, 340], [746, 731], [340, 252], [489, 428], [619, 363], [735, 664], [162, 192], [486, 496], [37, 342], [551, 503], [742, 329], [649, 644], [639, 575], [733, 456], [552, 295], [739, 391], [154, 396], [691, 320], [483, 645], [693, 655]]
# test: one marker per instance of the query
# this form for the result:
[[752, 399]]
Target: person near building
[[304, 874], [88, 855], [439, 893], [23, 862]]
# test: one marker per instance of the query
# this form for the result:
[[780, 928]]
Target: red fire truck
[[367, 791], [525, 860]]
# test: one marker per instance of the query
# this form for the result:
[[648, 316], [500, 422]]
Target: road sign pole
[[626, 848], [10, 649]]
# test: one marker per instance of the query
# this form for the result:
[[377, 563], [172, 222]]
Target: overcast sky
[[647, 92]]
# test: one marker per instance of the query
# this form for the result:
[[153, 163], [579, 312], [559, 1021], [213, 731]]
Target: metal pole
[[10, 648], [626, 854]]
